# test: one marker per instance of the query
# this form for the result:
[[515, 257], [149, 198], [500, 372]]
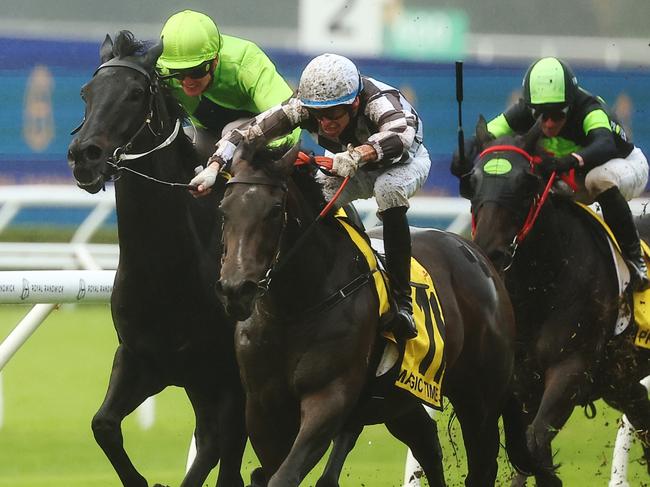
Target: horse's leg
[[515, 424], [419, 432], [129, 385], [481, 439], [322, 416], [220, 434], [341, 448], [562, 383], [271, 433]]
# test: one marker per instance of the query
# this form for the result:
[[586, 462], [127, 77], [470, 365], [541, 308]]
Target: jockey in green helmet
[[218, 79], [581, 134]]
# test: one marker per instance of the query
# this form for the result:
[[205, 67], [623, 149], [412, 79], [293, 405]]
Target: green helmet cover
[[549, 81], [189, 39]]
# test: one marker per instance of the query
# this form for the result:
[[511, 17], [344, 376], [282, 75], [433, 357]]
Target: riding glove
[[345, 164], [557, 164], [471, 149], [206, 178]]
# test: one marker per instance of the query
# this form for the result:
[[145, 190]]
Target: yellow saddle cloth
[[641, 300], [642, 308], [423, 366]]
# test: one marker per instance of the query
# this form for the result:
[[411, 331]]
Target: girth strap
[[338, 296]]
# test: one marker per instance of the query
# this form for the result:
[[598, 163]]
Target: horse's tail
[[514, 425]]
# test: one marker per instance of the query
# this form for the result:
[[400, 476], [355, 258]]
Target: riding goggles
[[330, 113], [555, 115], [195, 72]]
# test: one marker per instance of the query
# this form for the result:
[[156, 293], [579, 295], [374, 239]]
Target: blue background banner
[[41, 80]]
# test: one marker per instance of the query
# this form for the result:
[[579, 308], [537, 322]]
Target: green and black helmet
[[549, 84]]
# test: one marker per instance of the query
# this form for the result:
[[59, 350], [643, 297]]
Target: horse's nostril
[[92, 152], [248, 288]]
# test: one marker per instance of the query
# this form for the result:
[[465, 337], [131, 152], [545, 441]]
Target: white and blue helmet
[[329, 80]]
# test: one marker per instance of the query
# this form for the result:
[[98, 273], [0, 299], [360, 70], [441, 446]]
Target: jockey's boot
[[397, 244], [618, 217]]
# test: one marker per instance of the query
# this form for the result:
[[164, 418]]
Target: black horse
[[171, 328], [306, 354], [565, 293]]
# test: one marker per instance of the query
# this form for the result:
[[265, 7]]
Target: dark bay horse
[[171, 328], [565, 294], [305, 355]]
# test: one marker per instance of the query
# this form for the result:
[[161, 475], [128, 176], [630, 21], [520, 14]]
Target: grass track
[[54, 385]]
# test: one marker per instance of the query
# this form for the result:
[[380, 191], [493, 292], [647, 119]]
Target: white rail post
[[2, 403], [47, 289], [147, 413], [620, 460], [412, 471], [23, 331]]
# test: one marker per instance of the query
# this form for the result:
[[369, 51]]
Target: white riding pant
[[630, 175], [392, 186]]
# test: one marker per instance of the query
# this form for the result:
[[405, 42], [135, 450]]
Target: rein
[[536, 205]]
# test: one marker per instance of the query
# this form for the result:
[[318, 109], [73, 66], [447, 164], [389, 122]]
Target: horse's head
[[120, 99], [502, 188], [254, 218]]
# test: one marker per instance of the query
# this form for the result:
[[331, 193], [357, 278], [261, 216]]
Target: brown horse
[[305, 353], [565, 294]]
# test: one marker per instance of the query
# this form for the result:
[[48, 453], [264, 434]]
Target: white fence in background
[[48, 289], [79, 253]]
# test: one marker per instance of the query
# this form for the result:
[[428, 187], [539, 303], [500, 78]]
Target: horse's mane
[[126, 45]]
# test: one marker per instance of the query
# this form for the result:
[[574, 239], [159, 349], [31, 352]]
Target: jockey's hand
[[461, 168], [345, 164], [557, 164], [206, 178]]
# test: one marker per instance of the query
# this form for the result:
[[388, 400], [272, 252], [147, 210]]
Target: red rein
[[325, 163]]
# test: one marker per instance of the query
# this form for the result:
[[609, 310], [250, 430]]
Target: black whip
[[459, 99]]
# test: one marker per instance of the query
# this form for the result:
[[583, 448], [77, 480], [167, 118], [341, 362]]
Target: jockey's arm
[[600, 146], [276, 122], [395, 131], [267, 90]]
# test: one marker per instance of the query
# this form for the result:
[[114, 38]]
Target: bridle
[[264, 283], [121, 153], [535, 207], [276, 265]]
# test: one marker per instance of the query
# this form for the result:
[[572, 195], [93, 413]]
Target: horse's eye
[[136, 94]]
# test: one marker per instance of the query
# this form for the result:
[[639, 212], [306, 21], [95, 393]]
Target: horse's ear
[[482, 135], [106, 49], [531, 138], [153, 54], [288, 160]]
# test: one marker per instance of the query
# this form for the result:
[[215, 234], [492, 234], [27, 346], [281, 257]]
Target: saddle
[[422, 366], [635, 306]]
